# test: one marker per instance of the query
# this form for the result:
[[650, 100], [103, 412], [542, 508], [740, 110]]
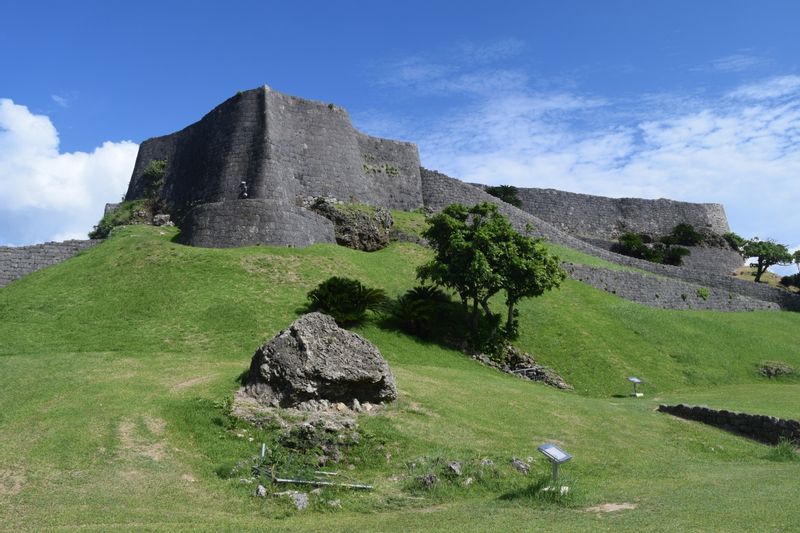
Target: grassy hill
[[115, 367]]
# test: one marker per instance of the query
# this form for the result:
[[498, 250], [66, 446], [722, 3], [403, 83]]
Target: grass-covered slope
[[112, 366]]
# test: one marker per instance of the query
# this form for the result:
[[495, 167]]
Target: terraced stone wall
[[19, 261]]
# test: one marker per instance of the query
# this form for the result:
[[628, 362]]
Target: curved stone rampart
[[19, 261], [250, 222], [587, 215]]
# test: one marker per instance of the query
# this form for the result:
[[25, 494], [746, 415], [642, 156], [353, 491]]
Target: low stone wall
[[250, 222], [759, 427], [19, 261], [664, 293]]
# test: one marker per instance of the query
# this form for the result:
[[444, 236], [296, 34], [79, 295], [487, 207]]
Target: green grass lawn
[[114, 364]]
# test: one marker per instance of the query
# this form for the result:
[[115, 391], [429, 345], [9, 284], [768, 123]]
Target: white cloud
[[60, 100], [465, 69], [490, 52], [67, 191], [742, 150], [739, 62], [777, 87]]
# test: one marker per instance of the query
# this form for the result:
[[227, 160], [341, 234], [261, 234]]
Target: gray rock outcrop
[[314, 360], [367, 229]]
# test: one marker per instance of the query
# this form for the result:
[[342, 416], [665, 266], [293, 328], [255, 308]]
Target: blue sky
[[696, 101]]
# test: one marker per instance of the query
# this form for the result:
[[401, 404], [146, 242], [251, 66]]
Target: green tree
[[507, 193], [463, 241], [766, 253], [527, 269], [478, 253], [796, 259]]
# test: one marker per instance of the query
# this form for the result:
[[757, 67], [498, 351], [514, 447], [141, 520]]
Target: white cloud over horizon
[[49, 195], [740, 148]]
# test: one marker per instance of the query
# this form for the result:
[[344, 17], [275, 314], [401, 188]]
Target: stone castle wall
[[664, 293], [250, 222], [607, 218], [282, 147], [719, 260], [19, 261], [440, 190]]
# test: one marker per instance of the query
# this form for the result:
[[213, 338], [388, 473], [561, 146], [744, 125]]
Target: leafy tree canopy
[[507, 193], [478, 253], [766, 253]]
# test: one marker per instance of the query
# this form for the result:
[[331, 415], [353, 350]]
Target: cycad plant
[[346, 300], [417, 310]]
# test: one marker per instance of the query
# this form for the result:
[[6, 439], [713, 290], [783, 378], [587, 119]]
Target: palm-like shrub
[[416, 311], [346, 300]]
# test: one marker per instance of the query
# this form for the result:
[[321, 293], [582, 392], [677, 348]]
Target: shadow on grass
[[538, 492]]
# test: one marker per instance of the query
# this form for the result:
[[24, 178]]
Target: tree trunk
[[489, 314], [510, 318], [761, 267]]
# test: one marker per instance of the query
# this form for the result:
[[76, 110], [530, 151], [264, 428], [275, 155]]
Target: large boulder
[[359, 227], [314, 360]]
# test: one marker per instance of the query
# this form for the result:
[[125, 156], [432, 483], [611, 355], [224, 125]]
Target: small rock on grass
[[300, 500], [520, 466], [429, 480], [454, 467]]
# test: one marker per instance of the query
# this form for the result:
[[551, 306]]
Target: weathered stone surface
[[19, 261], [314, 360], [281, 147], [759, 427], [602, 217], [360, 229], [250, 222], [665, 293], [162, 220]]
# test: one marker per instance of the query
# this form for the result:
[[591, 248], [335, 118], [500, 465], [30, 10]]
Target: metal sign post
[[636, 381], [556, 456]]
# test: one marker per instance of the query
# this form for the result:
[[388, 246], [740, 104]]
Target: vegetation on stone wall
[[735, 241], [135, 212], [666, 249], [507, 193], [154, 174], [683, 234], [641, 247], [791, 281]]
